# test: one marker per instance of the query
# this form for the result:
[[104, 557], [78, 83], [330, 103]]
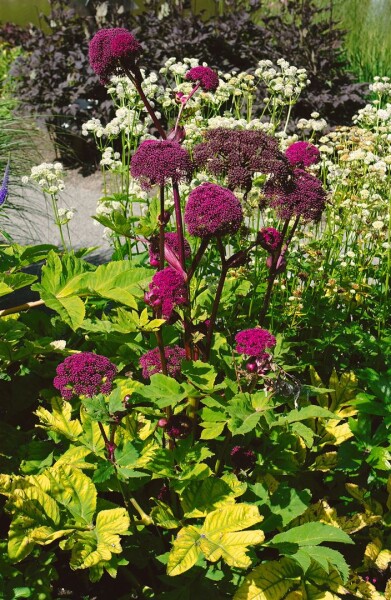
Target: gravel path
[[35, 226]]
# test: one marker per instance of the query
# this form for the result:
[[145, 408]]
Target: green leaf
[[14, 281], [308, 412], [270, 581], [185, 551], [163, 391], [211, 430], [311, 534], [200, 374], [244, 418], [126, 458], [284, 505], [305, 433], [163, 516], [97, 408], [75, 491], [71, 310], [201, 497]]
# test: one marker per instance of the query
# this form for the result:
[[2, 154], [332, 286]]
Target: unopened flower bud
[[162, 423]]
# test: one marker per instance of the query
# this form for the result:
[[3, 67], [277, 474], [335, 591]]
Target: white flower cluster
[[314, 124], [49, 177], [381, 86], [110, 158], [284, 82], [126, 120], [373, 117], [65, 215], [178, 69]]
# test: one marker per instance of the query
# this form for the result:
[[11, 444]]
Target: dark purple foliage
[[212, 210], [84, 374]]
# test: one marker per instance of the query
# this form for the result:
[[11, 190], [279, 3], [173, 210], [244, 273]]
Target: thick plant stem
[[197, 258], [136, 79], [272, 275], [16, 309], [161, 229], [219, 291], [160, 344], [179, 224]]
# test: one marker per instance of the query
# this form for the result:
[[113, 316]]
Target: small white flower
[[378, 225], [58, 344]]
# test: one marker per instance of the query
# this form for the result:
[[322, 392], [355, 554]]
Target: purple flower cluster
[[304, 196], [151, 362], [239, 154], [269, 239], [243, 459], [155, 162], [111, 50], [4, 185], [205, 76], [170, 241], [212, 210], [179, 426], [302, 154], [167, 290], [84, 374], [253, 342]]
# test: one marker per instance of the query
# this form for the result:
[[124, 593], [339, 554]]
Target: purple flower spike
[[4, 185], [303, 197], [212, 210], [151, 362], [302, 154], [84, 374], [253, 342], [205, 76], [269, 238], [112, 50], [168, 288], [243, 459], [156, 162]]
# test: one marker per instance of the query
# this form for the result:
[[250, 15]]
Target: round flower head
[[113, 50], [156, 162], [151, 362], [212, 210], [304, 196], [269, 238], [167, 290], [84, 374], [239, 154], [171, 241], [205, 76], [253, 342], [242, 459], [179, 426], [302, 154]]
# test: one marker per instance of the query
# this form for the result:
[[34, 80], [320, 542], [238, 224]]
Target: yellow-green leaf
[[60, 420], [74, 490], [185, 551], [231, 518], [270, 581]]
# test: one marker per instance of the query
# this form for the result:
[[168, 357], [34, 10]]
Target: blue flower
[[4, 185]]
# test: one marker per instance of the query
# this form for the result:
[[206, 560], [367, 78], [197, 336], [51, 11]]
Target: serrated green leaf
[[311, 534], [305, 433], [200, 374], [163, 391], [308, 412], [163, 516]]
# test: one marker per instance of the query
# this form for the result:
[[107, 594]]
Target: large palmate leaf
[[201, 497], [221, 536], [91, 547], [9, 282]]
